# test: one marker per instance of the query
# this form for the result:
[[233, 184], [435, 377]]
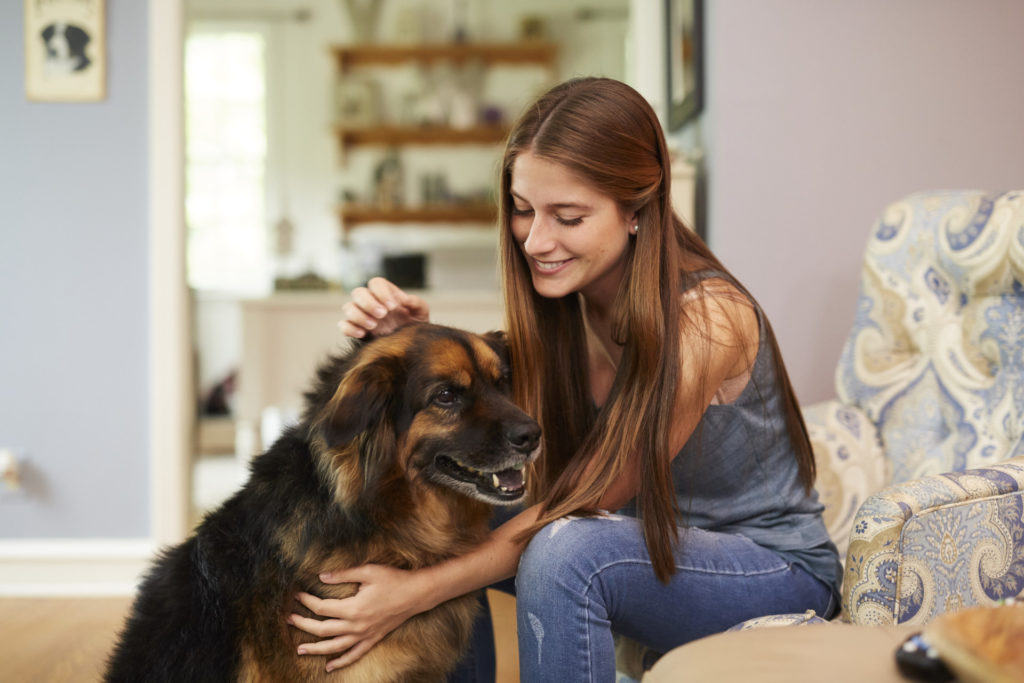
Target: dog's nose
[[523, 436]]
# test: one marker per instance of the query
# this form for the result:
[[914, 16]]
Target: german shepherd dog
[[404, 444]]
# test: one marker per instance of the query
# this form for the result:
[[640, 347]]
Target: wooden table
[[788, 654]]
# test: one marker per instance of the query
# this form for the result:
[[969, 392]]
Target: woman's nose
[[539, 240]]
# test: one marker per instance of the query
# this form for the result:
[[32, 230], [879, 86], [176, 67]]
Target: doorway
[[301, 180]]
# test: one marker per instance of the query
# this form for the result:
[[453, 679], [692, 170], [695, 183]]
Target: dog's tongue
[[508, 479]]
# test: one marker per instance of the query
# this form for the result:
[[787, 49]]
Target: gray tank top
[[738, 474]]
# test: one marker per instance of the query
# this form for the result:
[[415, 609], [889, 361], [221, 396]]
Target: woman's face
[[574, 238]]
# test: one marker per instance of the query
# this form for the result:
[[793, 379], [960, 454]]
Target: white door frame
[[171, 404]]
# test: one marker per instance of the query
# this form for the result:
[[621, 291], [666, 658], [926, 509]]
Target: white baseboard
[[73, 567]]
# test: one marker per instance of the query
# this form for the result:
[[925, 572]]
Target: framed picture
[[65, 50], [684, 20]]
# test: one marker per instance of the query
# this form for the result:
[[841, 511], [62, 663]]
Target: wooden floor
[[64, 640], [57, 640]]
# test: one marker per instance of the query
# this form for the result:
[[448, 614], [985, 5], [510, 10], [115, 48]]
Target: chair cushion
[[850, 463]]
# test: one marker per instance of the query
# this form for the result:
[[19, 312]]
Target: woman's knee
[[564, 548], [544, 560]]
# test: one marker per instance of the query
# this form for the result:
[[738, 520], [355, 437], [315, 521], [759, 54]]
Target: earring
[[636, 228]]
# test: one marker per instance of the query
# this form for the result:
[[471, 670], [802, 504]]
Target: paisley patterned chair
[[921, 457]]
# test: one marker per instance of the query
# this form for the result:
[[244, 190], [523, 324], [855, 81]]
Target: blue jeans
[[581, 579]]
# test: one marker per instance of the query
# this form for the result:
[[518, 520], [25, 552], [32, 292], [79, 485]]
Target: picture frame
[[684, 21], [65, 50]]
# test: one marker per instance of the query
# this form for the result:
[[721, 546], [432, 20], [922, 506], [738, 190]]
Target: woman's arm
[[387, 597]]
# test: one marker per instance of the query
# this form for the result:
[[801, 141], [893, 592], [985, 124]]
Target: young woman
[[662, 395]]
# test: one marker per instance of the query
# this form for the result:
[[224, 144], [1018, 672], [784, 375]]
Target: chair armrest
[[936, 544], [851, 464]]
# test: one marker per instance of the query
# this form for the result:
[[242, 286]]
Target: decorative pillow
[[775, 620]]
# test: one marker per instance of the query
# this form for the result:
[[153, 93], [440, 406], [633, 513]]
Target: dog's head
[[432, 404]]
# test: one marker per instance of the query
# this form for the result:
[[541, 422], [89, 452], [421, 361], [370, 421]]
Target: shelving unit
[[353, 215], [420, 135], [349, 57], [533, 52]]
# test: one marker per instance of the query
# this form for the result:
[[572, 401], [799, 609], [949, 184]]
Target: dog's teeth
[[496, 481]]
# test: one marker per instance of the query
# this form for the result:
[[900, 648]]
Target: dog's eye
[[505, 381], [446, 397]]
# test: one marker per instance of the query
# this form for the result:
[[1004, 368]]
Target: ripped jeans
[[580, 579]]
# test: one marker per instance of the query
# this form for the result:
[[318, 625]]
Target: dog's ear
[[497, 340], [361, 416], [365, 399]]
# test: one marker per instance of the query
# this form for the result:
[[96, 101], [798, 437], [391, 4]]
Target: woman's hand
[[381, 308], [385, 599]]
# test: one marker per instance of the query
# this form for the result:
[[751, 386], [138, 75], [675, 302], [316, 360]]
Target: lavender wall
[[820, 113]]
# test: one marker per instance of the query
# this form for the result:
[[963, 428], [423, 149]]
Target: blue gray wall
[[73, 293]]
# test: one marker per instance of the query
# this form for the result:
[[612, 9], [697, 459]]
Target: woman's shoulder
[[717, 293], [714, 307]]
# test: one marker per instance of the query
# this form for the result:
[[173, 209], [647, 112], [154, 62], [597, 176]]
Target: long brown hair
[[606, 134]]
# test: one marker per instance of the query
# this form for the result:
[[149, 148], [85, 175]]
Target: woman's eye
[[569, 221], [521, 212]]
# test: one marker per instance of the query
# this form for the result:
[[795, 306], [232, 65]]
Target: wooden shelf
[[421, 135], [524, 53], [532, 52], [358, 214]]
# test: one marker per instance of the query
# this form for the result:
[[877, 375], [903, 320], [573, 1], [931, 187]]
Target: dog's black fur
[[367, 476]]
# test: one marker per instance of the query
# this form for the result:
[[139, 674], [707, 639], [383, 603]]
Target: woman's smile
[[550, 267]]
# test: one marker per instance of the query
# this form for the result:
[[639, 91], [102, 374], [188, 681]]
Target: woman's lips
[[549, 267]]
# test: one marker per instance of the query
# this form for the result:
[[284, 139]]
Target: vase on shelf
[[365, 18]]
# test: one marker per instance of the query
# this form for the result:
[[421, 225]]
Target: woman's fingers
[[360, 574], [415, 307], [368, 303], [353, 655], [386, 293], [350, 330], [331, 646], [323, 608], [321, 628], [381, 308], [354, 624]]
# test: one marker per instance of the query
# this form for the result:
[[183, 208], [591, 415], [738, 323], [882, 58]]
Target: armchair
[[921, 457]]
